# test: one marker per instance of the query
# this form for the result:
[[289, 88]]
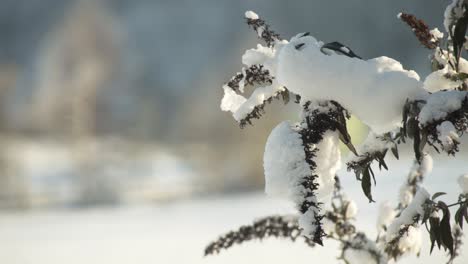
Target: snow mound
[[285, 165], [374, 90], [284, 160]]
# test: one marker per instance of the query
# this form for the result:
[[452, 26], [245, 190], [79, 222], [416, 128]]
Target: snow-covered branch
[[415, 177], [258, 73], [439, 120], [262, 28], [332, 82], [405, 223], [374, 148], [319, 137]]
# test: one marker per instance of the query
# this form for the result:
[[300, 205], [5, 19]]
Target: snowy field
[[177, 232]]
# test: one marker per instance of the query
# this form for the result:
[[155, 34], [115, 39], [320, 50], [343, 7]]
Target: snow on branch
[[301, 161], [451, 124], [262, 28], [414, 210], [374, 90], [320, 130], [258, 73], [403, 234], [285, 227], [444, 105], [253, 108], [244, 110], [408, 238], [253, 75], [439, 120], [415, 177], [408, 241], [332, 82], [374, 148]]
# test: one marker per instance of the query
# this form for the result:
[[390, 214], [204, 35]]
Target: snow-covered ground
[[177, 232]]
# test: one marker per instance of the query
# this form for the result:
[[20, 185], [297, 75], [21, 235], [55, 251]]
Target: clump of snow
[[435, 214], [328, 163], [447, 134], [328, 226], [372, 144], [307, 220], [231, 100], [426, 166], [405, 195], [436, 34], [284, 160], [443, 57], [328, 159], [411, 241], [437, 81], [453, 12], [374, 90], [285, 168], [261, 55], [417, 172], [463, 183], [251, 15], [242, 81], [351, 210], [385, 216], [237, 103], [258, 97], [421, 169], [440, 104], [406, 217]]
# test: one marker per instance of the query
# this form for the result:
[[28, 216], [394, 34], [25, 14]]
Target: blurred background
[[110, 120]]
